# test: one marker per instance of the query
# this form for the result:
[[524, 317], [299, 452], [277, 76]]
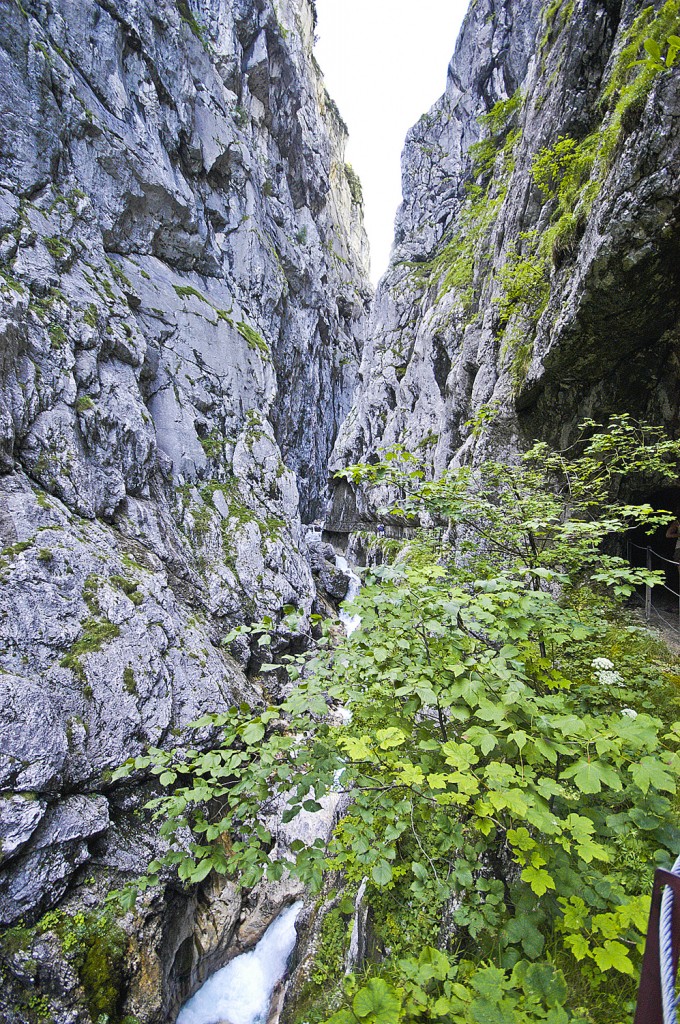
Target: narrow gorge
[[190, 351]]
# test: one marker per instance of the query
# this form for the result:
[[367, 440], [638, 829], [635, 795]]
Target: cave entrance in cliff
[[656, 551]]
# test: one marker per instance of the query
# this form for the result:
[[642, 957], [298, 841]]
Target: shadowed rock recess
[[183, 306]]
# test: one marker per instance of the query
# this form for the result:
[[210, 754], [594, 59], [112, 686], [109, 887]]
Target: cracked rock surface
[[183, 293], [495, 324]]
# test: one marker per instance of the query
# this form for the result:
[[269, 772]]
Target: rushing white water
[[350, 622], [354, 950], [241, 992]]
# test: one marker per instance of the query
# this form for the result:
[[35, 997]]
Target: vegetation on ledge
[[511, 753]]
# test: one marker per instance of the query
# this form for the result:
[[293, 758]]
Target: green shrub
[[354, 183], [511, 762]]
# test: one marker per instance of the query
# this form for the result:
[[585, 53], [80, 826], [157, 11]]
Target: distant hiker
[[381, 530], [673, 533]]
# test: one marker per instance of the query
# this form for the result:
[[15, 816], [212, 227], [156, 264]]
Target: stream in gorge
[[350, 622], [241, 992]]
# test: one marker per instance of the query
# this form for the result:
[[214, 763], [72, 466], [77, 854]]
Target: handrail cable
[[668, 963], [663, 619], [657, 1001], [650, 553]]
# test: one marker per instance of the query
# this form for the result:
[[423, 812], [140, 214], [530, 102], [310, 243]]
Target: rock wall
[[534, 275], [183, 289], [183, 299]]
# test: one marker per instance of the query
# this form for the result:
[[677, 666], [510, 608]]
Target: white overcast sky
[[384, 62]]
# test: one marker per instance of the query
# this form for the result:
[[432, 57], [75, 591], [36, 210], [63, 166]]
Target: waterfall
[[241, 992], [355, 952], [350, 622]]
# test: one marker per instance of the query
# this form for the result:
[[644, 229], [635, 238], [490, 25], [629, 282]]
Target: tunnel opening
[[657, 551]]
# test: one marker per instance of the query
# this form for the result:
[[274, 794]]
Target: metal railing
[[657, 1000], [650, 557]]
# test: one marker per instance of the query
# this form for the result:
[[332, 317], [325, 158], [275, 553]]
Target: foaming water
[[241, 992], [350, 622]]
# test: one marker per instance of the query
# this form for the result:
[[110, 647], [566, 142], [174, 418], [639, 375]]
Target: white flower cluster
[[605, 672]]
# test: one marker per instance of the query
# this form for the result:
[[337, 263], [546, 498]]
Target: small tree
[[510, 760]]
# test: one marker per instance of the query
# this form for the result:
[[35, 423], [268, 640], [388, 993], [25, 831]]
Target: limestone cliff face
[[183, 284], [183, 292], [535, 270]]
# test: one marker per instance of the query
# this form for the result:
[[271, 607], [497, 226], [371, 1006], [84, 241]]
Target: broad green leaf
[[588, 776], [523, 930], [482, 738], [543, 981], [388, 738], [342, 1017], [490, 982], [202, 870], [437, 781], [520, 738], [378, 1002], [486, 1011], [521, 839], [381, 872], [613, 955], [357, 748], [253, 733], [411, 775], [579, 946], [275, 871], [539, 880], [545, 748], [512, 799], [650, 772]]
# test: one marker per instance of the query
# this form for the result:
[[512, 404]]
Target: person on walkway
[[673, 533]]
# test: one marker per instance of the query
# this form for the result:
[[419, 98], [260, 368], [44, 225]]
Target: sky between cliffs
[[384, 62]]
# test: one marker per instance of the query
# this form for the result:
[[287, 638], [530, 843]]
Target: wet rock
[[331, 582], [183, 293]]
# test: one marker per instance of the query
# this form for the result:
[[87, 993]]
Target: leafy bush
[[505, 769]]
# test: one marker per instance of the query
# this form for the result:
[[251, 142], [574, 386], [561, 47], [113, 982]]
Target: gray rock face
[[183, 291], [509, 304], [20, 816], [58, 848], [331, 582]]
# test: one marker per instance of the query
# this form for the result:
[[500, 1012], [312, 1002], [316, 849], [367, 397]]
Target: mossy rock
[[101, 973]]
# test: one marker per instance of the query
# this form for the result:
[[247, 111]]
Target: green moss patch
[[129, 587], [58, 248], [253, 338], [96, 633]]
